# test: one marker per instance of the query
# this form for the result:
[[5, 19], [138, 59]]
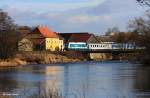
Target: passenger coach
[[100, 46]]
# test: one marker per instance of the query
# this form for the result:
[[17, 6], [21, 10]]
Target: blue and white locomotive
[[77, 46]]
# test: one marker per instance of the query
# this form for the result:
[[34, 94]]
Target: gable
[[93, 39], [35, 34]]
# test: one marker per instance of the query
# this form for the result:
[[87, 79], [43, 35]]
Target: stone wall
[[100, 56]]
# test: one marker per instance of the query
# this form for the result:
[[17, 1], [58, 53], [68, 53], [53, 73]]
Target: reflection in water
[[53, 80], [142, 80], [81, 80], [8, 81]]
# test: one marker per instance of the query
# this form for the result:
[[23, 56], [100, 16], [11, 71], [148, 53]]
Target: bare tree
[[144, 2], [8, 36], [141, 28]]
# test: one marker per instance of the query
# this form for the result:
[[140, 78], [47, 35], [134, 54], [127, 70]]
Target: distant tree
[[23, 31], [112, 30], [120, 37], [8, 36]]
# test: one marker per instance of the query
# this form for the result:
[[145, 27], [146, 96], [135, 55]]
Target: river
[[113, 79]]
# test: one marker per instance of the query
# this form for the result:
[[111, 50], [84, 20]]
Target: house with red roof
[[79, 37], [43, 38], [83, 37]]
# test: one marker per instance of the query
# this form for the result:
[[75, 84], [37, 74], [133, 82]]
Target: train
[[98, 46]]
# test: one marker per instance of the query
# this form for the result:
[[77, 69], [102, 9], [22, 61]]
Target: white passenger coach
[[100, 46]]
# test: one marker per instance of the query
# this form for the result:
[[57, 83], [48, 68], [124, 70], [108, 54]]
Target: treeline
[[138, 34], [141, 28], [8, 36]]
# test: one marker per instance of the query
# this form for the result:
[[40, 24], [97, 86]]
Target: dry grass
[[12, 62], [25, 58]]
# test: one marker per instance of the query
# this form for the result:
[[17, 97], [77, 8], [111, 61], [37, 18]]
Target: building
[[43, 38], [25, 45], [78, 40], [83, 37]]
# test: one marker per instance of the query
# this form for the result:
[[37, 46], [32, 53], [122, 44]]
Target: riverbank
[[46, 57], [25, 58]]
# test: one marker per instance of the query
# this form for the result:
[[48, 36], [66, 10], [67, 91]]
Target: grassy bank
[[24, 58]]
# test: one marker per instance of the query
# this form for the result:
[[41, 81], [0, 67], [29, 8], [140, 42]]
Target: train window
[[83, 45]]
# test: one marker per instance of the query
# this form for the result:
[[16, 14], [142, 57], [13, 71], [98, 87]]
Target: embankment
[[44, 57]]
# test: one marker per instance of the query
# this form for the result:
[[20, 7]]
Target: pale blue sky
[[49, 5], [73, 15]]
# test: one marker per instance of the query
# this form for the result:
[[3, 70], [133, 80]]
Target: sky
[[94, 16]]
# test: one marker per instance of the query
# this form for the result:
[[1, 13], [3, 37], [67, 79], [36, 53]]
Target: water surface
[[80, 80]]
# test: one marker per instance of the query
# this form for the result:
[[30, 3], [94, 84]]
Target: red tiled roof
[[46, 32], [81, 37]]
